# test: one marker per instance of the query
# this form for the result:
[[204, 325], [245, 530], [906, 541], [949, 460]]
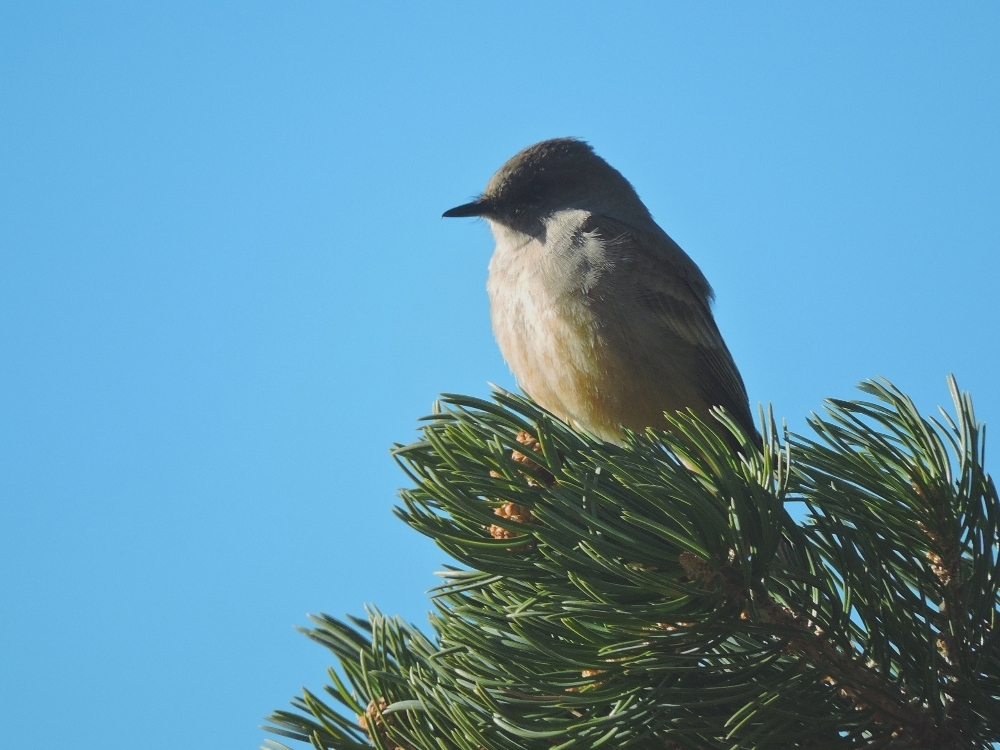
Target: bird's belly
[[558, 351]]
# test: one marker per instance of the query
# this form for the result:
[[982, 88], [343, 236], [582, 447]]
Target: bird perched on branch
[[604, 320]]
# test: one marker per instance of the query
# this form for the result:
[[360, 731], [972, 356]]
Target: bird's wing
[[667, 283]]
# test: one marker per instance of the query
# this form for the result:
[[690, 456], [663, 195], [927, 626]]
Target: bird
[[603, 319]]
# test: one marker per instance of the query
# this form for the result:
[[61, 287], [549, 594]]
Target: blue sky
[[226, 290]]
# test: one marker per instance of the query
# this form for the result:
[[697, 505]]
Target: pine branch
[[658, 595]]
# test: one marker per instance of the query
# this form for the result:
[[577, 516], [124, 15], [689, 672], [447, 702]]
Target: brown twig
[[910, 722]]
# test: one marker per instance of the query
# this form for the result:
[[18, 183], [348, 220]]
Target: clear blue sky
[[225, 289]]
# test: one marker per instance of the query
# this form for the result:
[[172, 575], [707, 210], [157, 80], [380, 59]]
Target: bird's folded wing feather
[[668, 283]]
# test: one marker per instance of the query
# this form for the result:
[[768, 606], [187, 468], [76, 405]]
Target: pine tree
[[660, 595]]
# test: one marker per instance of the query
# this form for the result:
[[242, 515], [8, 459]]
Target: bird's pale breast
[[561, 343]]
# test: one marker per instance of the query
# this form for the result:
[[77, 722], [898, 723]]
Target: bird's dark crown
[[561, 173]]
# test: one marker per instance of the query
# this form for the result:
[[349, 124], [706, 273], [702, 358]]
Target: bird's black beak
[[478, 207]]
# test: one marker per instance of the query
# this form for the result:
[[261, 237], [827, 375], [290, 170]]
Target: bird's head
[[554, 175]]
